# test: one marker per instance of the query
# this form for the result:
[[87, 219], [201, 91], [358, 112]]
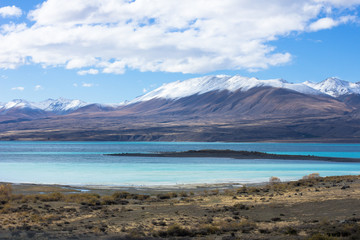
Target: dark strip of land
[[211, 153]]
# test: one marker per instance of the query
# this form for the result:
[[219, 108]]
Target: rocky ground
[[312, 208]]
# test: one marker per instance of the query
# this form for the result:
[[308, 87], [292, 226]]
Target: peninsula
[[236, 155]]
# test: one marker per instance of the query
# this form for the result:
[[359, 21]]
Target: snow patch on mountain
[[335, 87], [18, 103], [60, 105], [180, 89]]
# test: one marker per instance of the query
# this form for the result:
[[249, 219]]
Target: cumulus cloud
[[10, 11], [18, 88], [205, 35], [90, 71]]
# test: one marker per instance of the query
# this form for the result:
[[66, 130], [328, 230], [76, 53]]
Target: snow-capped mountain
[[16, 103], [179, 89], [57, 106], [211, 108], [335, 87], [60, 105]]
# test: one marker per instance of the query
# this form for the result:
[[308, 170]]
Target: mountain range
[[210, 108]]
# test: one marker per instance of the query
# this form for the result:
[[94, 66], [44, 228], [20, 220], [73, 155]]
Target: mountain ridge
[[332, 86], [203, 110]]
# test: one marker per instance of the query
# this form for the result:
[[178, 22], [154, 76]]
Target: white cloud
[[87, 85], [75, 84], [38, 87], [144, 90], [90, 71], [326, 23], [18, 88], [340, 3], [10, 11], [205, 35]]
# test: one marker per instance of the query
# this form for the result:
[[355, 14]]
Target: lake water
[[83, 163]]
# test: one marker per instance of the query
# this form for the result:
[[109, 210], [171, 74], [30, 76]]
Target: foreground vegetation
[[313, 208]]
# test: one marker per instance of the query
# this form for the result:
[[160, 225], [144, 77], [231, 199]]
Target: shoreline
[[44, 188], [212, 153], [37, 188]]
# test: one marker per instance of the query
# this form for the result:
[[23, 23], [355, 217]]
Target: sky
[[109, 51]]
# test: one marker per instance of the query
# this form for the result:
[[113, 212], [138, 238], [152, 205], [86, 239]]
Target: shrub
[[245, 226], [167, 195], [175, 231], [107, 200], [5, 193], [183, 194], [50, 197], [126, 195], [274, 180], [84, 198], [241, 190], [208, 229], [311, 176], [121, 195], [320, 236], [291, 231]]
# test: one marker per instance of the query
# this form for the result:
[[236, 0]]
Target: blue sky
[[110, 51]]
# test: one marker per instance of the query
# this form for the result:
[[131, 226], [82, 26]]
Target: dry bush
[[320, 236], [214, 192], [244, 226], [5, 193], [274, 180], [84, 198], [311, 176], [121, 195], [175, 230], [50, 197], [183, 194], [127, 195], [108, 200], [207, 229], [167, 195], [5, 190]]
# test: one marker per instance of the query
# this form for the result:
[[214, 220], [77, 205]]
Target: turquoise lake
[[83, 163]]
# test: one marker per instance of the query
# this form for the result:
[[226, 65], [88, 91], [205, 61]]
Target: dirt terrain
[[312, 208]]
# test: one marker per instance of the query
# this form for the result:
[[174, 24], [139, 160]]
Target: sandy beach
[[312, 208]]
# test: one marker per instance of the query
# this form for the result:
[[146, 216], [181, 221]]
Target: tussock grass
[[91, 199]]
